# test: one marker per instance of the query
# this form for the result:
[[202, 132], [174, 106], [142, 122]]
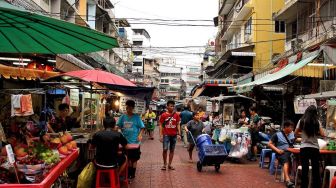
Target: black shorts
[[191, 146], [133, 154], [121, 159], [254, 137], [284, 158]]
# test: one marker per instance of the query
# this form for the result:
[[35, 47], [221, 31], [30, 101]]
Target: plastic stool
[[263, 155], [297, 175], [332, 170], [108, 178], [272, 166], [333, 183], [278, 168]]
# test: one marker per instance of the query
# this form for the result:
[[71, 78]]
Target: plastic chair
[[272, 167], [278, 168], [263, 155], [332, 170], [297, 175], [107, 178]]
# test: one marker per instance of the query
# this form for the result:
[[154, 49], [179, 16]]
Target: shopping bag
[[87, 176]]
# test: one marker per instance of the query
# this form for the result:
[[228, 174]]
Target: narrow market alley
[[149, 175]]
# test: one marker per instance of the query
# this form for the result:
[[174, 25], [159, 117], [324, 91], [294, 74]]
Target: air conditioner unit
[[296, 44]]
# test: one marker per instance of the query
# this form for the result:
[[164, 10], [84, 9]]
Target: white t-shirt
[[241, 120]]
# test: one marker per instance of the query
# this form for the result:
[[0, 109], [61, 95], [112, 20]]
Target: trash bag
[[86, 177]]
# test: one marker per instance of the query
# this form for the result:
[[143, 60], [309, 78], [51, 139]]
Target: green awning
[[270, 77], [22, 31]]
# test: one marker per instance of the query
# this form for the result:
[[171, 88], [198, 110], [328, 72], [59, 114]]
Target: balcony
[[313, 36], [246, 8], [289, 11], [226, 6]]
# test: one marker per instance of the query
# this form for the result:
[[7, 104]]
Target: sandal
[[171, 168], [164, 167]]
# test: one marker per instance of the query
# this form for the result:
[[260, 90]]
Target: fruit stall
[[39, 163]]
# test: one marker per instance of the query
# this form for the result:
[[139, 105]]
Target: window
[[137, 43], [137, 53], [279, 26], [137, 63], [46, 1], [248, 26]]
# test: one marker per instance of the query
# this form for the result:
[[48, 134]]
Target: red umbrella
[[100, 76]]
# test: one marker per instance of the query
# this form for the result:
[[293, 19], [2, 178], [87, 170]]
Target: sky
[[172, 36]]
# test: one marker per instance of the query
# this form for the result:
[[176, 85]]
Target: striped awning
[[272, 76], [221, 82], [8, 72]]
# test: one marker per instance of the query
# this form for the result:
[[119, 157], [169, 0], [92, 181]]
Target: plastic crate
[[212, 154]]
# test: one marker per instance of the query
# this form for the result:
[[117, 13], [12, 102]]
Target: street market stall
[[37, 161], [236, 139]]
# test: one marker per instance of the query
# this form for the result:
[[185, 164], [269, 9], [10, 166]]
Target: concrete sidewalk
[[149, 174]]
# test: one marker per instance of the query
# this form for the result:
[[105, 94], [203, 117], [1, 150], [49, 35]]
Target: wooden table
[[296, 151], [322, 151]]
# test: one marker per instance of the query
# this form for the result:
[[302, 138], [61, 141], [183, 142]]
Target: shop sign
[[209, 106], [140, 105], [74, 97], [10, 154], [152, 106], [300, 105]]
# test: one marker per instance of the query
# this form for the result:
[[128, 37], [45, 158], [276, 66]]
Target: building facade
[[171, 82], [140, 43], [98, 15], [248, 37], [191, 78]]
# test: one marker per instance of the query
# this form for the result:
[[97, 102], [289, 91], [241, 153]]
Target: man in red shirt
[[169, 130]]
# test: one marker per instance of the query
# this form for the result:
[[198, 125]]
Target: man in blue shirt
[[132, 128], [185, 116], [279, 143]]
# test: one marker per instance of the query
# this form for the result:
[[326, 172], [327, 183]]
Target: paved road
[[149, 174]]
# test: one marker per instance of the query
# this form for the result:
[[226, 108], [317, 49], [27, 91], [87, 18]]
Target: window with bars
[[248, 26]]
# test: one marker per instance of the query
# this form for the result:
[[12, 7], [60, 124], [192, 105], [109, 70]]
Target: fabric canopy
[[23, 31], [272, 76], [232, 97], [24, 73], [99, 76], [198, 92]]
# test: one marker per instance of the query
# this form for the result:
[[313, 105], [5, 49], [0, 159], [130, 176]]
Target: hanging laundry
[[15, 104], [16, 101], [26, 104], [21, 105]]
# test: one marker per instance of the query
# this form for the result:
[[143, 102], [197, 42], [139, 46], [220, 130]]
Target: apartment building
[[96, 14], [171, 82], [191, 77], [140, 44], [248, 37]]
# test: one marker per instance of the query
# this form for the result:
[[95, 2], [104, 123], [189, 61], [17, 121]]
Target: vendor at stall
[[254, 126], [63, 122], [243, 120]]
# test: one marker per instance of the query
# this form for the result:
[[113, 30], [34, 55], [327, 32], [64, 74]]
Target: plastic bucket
[[203, 140]]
